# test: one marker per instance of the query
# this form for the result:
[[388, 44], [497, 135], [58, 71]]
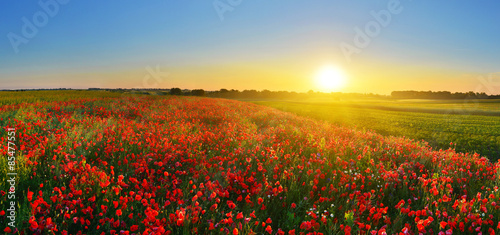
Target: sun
[[330, 78]]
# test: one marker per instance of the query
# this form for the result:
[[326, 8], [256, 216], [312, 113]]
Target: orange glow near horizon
[[286, 74]]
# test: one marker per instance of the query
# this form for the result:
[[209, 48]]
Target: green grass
[[473, 126], [33, 96]]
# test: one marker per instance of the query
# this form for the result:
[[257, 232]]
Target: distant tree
[[176, 91], [266, 94], [438, 95], [250, 93], [198, 92]]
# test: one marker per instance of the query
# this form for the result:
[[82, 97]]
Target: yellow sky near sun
[[368, 78], [383, 78], [291, 75]]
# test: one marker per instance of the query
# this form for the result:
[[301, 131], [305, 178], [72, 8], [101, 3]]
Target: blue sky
[[260, 44]]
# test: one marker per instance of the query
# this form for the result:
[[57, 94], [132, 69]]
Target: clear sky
[[257, 44]]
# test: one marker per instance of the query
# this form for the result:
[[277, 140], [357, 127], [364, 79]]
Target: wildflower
[[269, 229]]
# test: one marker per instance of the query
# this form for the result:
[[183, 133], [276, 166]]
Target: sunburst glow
[[330, 78]]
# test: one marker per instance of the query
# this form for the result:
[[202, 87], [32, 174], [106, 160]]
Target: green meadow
[[471, 126]]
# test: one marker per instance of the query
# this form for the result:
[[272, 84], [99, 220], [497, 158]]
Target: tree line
[[267, 94], [441, 95]]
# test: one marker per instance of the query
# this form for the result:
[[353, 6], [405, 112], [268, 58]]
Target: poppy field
[[116, 164]]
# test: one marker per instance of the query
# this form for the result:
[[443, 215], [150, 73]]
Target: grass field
[[473, 126], [106, 163]]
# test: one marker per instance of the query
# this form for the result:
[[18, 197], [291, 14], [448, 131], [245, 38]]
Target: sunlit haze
[[330, 78]]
